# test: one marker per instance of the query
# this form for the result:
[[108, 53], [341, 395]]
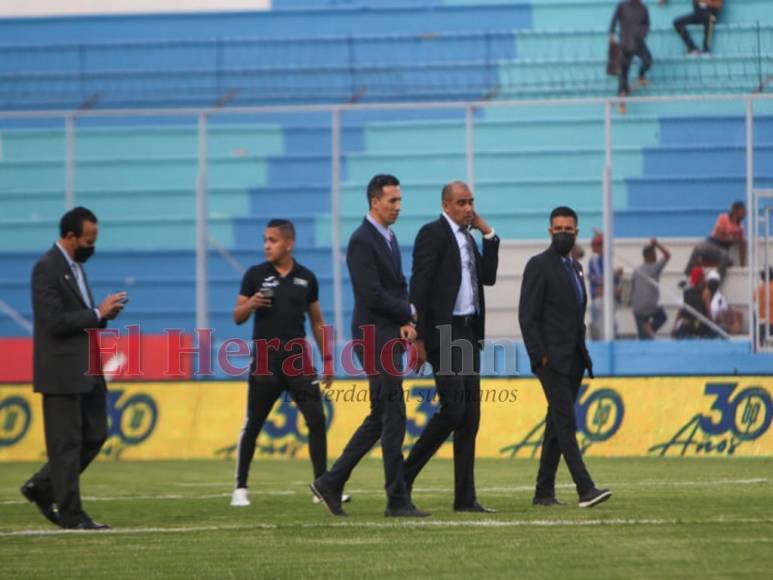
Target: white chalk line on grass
[[374, 491], [151, 530], [530, 487], [424, 523], [429, 523]]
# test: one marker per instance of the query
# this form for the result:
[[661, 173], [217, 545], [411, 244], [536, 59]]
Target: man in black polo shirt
[[280, 292]]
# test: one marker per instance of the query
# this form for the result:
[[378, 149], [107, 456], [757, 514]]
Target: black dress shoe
[[547, 501], [594, 497], [330, 498], [409, 511], [475, 508], [88, 525], [32, 493]]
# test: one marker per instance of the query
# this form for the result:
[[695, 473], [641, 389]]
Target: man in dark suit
[[382, 315], [67, 370], [447, 282], [552, 318]]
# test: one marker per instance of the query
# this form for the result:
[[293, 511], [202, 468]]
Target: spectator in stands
[[645, 291], [765, 305], [577, 253], [596, 280], [687, 324], [634, 19], [705, 13], [727, 318], [727, 233]]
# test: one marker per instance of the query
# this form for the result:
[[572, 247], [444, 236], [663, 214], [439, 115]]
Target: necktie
[[395, 251], [473, 267], [81, 283], [575, 280]]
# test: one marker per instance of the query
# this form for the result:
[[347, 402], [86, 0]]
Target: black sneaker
[[594, 496], [330, 498]]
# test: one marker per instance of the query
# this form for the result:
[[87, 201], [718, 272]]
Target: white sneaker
[[345, 498], [240, 498]]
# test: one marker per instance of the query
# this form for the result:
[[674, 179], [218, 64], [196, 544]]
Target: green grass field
[[668, 518]]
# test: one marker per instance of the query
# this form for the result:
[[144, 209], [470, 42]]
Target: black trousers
[[561, 430], [262, 394], [75, 430], [625, 65], [385, 423], [703, 17], [459, 394]]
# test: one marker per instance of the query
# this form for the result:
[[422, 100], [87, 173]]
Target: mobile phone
[[268, 293]]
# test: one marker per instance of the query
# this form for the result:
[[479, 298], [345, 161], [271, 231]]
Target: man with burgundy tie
[[67, 372], [383, 314], [449, 273], [552, 318]]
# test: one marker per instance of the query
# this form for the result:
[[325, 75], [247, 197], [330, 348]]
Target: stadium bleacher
[[676, 165]]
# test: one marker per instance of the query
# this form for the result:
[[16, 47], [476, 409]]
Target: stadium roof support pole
[[202, 299], [69, 161], [751, 248], [609, 304], [469, 126], [335, 204]]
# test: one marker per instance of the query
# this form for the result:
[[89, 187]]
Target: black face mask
[[563, 242], [82, 253]]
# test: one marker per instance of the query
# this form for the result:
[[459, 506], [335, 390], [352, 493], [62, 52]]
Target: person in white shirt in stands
[[720, 312]]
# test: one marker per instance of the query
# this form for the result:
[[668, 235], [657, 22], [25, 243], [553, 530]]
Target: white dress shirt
[[77, 272], [465, 302]]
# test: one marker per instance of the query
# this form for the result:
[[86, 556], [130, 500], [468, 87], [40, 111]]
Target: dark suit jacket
[[437, 276], [380, 291], [551, 321], [61, 317]]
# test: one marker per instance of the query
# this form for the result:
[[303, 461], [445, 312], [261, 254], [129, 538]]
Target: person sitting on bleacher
[[705, 13], [696, 296], [727, 233], [634, 19], [727, 318]]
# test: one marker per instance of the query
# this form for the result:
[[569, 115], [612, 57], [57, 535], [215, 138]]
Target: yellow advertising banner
[[659, 416]]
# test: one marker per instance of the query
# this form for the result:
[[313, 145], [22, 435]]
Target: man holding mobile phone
[[279, 293], [74, 399]]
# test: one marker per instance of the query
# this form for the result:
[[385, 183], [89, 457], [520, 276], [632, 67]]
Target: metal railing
[[350, 68], [200, 180]]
